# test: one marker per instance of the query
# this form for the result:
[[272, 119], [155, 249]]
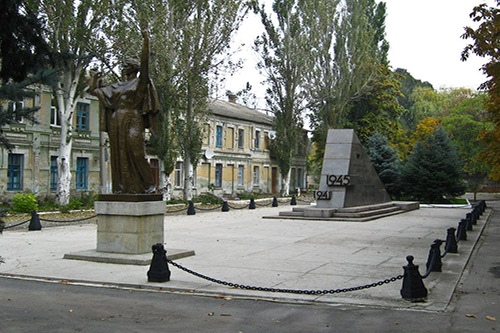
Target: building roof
[[238, 111]]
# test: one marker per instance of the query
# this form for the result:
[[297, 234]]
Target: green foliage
[[408, 85], [208, 199], [283, 51], [433, 171], [386, 162], [486, 39], [24, 203]]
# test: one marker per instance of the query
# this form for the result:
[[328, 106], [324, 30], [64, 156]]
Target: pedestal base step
[[125, 258]]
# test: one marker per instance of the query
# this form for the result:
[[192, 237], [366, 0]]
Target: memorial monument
[[130, 220], [349, 186]]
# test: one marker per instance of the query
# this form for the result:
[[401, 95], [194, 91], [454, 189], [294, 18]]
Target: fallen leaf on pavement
[[225, 315], [211, 314], [468, 315], [491, 318]]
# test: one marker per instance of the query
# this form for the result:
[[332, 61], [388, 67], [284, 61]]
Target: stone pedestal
[[129, 227]]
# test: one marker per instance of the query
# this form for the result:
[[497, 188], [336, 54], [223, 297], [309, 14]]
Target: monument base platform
[[352, 214], [125, 259]]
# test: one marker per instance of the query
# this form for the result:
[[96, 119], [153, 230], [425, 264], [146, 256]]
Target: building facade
[[236, 156], [32, 165]]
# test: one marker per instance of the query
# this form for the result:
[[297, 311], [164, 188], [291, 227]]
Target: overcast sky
[[424, 38]]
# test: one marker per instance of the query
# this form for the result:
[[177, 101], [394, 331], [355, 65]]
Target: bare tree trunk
[[166, 187], [188, 178]]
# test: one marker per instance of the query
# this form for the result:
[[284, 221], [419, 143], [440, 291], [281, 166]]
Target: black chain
[[207, 209], [234, 207], [15, 225], [69, 221], [263, 205], [177, 210], [289, 291]]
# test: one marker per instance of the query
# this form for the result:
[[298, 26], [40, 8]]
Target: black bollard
[[35, 222], [158, 270], [293, 202], [275, 202], [191, 210], [225, 207], [413, 287], [252, 204], [451, 241], [434, 257], [461, 231], [468, 222]]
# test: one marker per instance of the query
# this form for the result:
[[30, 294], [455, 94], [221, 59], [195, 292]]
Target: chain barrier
[[208, 209], [263, 205], [306, 201], [177, 210], [289, 291], [234, 207], [16, 225], [69, 221]]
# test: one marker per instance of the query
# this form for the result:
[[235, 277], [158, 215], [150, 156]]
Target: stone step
[[293, 213], [366, 213], [367, 207]]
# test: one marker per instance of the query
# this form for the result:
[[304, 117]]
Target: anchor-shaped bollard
[[252, 204], [275, 202], [158, 270], [191, 210], [34, 222], [413, 287], [434, 263], [293, 202], [225, 206], [451, 241]]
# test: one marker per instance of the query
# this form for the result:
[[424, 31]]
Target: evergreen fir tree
[[434, 170], [25, 59], [386, 162]]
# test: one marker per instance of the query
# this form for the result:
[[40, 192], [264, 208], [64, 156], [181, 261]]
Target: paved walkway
[[241, 247]]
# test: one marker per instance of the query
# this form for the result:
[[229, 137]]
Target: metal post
[[451, 241], [293, 202], [35, 222], [252, 204], [461, 231], [413, 288], [225, 207], [434, 263], [468, 222], [158, 270], [275, 202], [191, 210]]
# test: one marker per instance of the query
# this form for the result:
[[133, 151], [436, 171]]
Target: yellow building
[[236, 157], [31, 165]]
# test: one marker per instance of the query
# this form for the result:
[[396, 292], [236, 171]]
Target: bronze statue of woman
[[126, 109]]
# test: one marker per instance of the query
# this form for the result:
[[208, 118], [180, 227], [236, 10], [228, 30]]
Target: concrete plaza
[[241, 247]]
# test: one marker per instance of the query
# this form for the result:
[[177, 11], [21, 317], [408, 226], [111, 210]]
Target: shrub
[[208, 198], [25, 203]]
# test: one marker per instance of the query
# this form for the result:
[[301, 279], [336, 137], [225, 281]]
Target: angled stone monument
[[349, 188], [348, 178]]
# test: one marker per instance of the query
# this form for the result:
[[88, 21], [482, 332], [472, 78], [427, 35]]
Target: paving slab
[[241, 247]]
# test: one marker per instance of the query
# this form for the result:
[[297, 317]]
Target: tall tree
[[25, 59], [72, 29], [283, 50], [434, 170], [486, 40], [348, 48]]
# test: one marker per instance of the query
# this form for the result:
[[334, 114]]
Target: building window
[[230, 138], [82, 116], [178, 181], [241, 138], [257, 139], [218, 137], [241, 175], [15, 172], [53, 173], [14, 109], [255, 175], [55, 120], [299, 178], [81, 173], [218, 175]]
